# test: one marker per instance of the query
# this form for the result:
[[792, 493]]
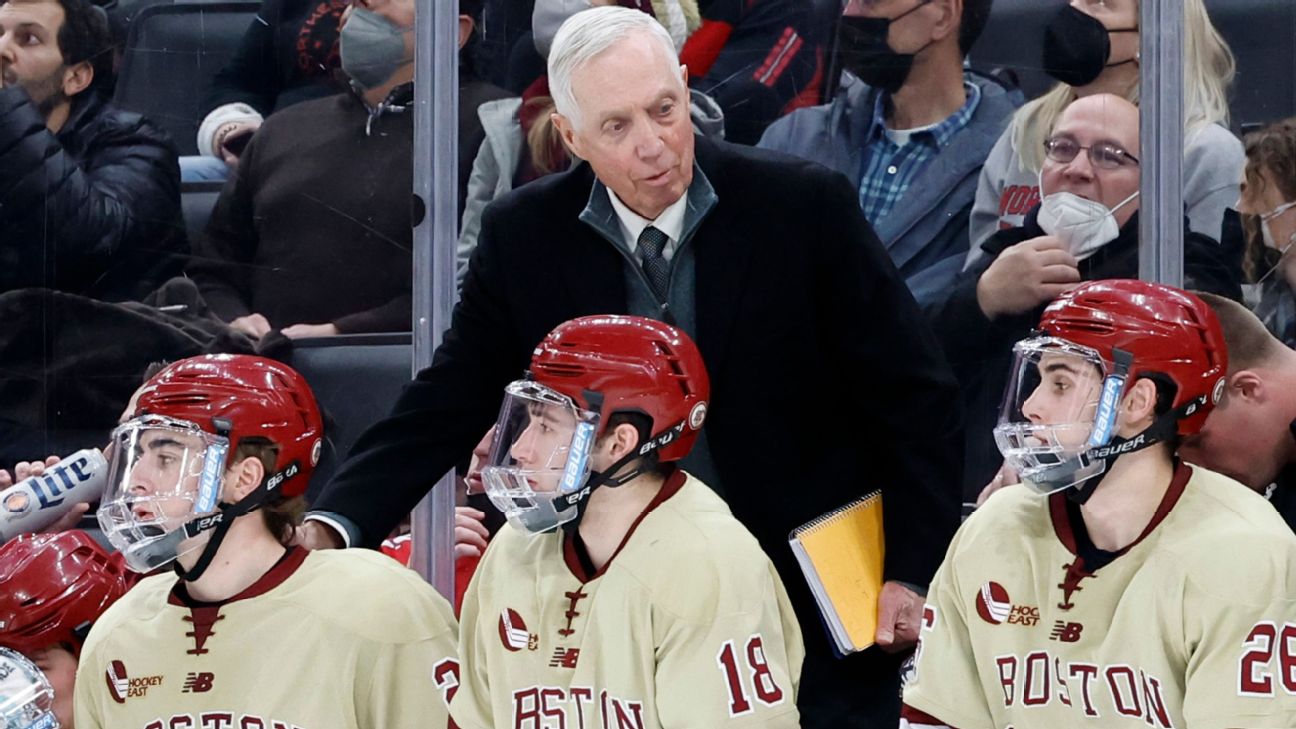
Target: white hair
[[590, 33]]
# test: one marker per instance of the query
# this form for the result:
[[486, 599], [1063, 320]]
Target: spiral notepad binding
[[815, 524]]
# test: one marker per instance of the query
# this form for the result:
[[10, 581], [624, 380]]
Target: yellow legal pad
[[841, 555]]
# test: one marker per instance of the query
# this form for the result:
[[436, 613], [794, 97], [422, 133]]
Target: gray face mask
[[373, 48]]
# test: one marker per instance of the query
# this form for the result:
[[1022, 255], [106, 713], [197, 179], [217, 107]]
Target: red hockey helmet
[[1167, 330], [633, 364], [583, 373], [242, 396], [53, 587], [1058, 425], [167, 463]]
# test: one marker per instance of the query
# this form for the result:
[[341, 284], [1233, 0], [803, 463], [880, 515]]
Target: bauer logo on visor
[[574, 474], [1105, 423], [209, 487]]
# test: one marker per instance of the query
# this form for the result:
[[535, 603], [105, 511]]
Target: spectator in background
[[1086, 228], [505, 28], [679, 17], [312, 235], [759, 258], [1250, 436], [89, 194], [290, 54], [910, 126], [1268, 205], [53, 587], [1093, 48], [521, 142], [759, 59]]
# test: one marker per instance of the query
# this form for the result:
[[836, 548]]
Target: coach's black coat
[[826, 383]]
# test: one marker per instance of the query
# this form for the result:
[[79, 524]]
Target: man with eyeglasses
[[1084, 228]]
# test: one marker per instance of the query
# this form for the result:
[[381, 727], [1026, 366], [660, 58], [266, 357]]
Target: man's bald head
[[1089, 121]]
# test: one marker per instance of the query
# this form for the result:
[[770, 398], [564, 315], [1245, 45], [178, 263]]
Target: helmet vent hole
[[564, 370]]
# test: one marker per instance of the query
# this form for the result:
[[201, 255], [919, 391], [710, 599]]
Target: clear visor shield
[[163, 474], [539, 460], [26, 699], [1060, 403]]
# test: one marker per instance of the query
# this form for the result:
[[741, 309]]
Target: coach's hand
[[899, 616], [314, 535]]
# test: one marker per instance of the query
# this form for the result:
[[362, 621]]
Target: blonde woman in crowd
[[1092, 47]]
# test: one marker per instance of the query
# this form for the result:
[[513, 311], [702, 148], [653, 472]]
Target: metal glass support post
[[436, 114], [1161, 137]]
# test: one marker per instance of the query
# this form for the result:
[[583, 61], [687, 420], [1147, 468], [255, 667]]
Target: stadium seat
[[356, 379], [1262, 34], [196, 202], [172, 53]]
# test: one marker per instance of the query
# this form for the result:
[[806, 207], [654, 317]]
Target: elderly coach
[[826, 384]]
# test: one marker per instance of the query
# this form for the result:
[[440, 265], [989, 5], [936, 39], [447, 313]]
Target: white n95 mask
[[1084, 225]]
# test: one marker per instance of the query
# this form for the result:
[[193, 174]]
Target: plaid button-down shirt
[[887, 169]]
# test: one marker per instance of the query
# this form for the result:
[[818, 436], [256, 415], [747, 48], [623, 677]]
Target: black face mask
[[863, 50], [1077, 47]]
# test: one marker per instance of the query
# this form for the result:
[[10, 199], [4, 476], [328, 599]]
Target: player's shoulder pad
[[1229, 541], [1013, 511], [142, 602], [369, 595], [695, 560]]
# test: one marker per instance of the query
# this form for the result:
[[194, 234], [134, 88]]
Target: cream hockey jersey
[[687, 626], [336, 639], [1191, 627]]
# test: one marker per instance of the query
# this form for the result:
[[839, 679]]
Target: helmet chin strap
[[580, 499], [1162, 429], [220, 522]]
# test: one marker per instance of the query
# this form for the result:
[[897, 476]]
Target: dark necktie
[[651, 244]]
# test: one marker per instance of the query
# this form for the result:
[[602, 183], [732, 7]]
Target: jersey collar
[[1071, 530], [574, 551], [275, 576]]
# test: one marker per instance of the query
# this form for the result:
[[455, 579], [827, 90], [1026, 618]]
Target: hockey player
[[248, 632], [1120, 587], [53, 587], [622, 593]]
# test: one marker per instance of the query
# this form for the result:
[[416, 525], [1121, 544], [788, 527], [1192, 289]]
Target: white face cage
[[1061, 401], [539, 461], [163, 474], [26, 697]]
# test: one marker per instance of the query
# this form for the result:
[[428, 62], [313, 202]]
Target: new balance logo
[[564, 658], [1066, 632], [198, 683]]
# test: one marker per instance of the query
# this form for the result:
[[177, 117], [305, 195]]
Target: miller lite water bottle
[[37, 501]]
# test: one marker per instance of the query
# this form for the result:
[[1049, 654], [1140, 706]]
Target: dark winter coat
[[93, 210]]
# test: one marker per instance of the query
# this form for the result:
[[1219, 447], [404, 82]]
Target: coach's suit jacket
[[826, 382]]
